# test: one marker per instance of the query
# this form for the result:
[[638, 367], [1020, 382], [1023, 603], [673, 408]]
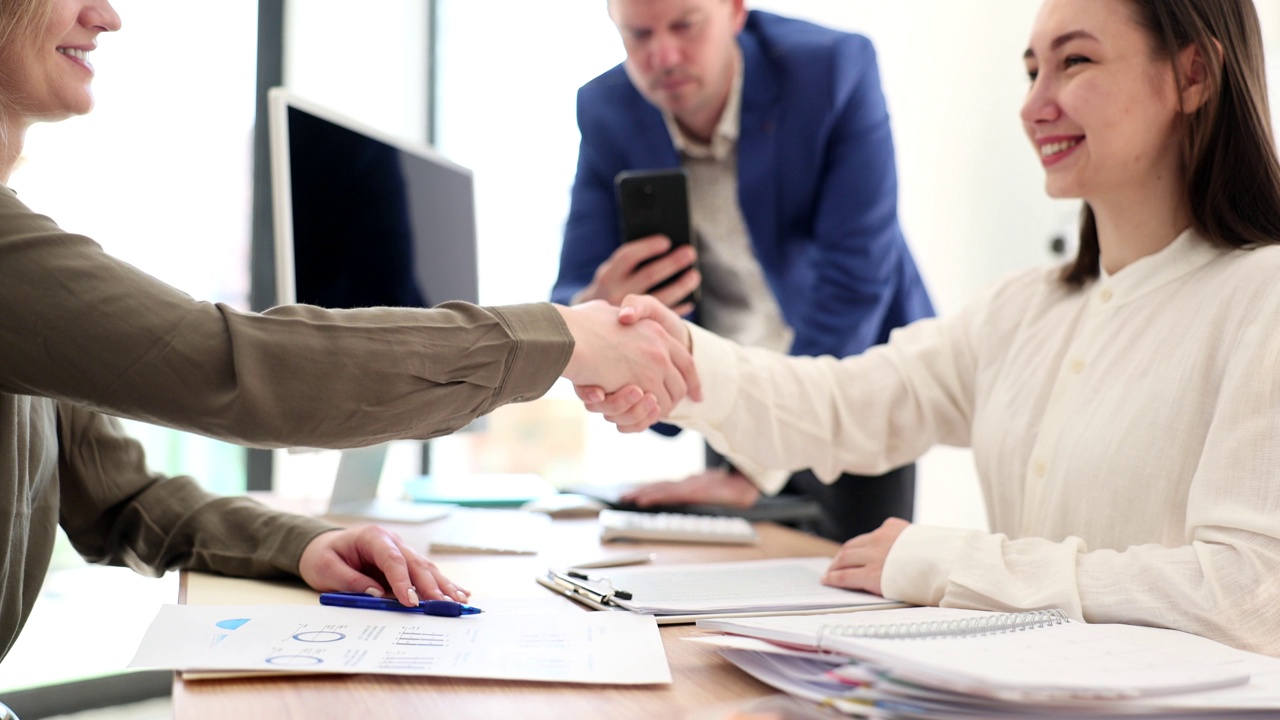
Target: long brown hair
[[1228, 152]]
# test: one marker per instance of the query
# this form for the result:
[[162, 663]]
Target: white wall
[[507, 91]]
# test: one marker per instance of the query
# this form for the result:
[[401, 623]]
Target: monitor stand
[[355, 491]]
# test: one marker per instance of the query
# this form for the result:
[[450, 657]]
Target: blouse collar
[[1188, 252]]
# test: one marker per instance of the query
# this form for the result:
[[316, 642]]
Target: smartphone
[[655, 202]]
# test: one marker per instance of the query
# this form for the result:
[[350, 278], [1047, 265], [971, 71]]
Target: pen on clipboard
[[576, 584], [439, 608], [581, 584]]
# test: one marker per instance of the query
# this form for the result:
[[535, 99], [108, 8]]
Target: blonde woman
[[84, 337]]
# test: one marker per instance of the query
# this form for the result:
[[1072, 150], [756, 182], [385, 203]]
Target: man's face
[[680, 53]]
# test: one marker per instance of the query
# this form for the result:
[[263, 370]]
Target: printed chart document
[[749, 586], [592, 648]]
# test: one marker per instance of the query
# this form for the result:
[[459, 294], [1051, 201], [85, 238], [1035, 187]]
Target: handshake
[[632, 363]]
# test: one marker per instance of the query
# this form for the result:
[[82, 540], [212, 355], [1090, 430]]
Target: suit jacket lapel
[[757, 148], [652, 146]]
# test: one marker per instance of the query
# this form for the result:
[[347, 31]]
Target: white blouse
[[1126, 436]]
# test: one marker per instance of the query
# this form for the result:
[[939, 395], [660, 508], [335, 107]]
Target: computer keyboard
[[676, 527]]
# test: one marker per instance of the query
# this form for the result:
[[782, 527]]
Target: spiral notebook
[[1039, 655]]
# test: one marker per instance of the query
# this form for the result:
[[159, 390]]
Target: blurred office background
[[162, 175]]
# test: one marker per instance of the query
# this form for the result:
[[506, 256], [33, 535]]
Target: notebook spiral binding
[[962, 627]]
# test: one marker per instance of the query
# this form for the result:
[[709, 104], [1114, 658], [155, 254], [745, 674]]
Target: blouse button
[[1077, 366], [1039, 468], [1106, 295]]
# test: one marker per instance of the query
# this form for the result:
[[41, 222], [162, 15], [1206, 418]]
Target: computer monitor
[[363, 219]]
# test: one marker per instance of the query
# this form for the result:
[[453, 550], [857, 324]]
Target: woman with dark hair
[[85, 337], [1124, 411]]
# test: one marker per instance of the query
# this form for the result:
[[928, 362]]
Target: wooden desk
[[702, 681]]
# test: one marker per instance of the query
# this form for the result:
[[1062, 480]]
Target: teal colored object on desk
[[479, 490]]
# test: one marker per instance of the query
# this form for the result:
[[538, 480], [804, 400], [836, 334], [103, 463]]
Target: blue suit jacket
[[816, 183]]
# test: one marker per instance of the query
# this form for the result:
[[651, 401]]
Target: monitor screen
[[365, 220]]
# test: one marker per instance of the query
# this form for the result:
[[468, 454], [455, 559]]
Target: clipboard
[[599, 592], [592, 600], [577, 588]]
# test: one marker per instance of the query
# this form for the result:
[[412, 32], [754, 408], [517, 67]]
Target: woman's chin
[[64, 113], [70, 105], [1060, 190]]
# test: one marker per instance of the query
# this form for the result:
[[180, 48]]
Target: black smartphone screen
[[655, 202]]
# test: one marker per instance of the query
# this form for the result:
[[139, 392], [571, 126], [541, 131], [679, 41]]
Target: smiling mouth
[[74, 52], [1051, 149]]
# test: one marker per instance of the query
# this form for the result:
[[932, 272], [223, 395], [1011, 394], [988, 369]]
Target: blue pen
[[441, 608]]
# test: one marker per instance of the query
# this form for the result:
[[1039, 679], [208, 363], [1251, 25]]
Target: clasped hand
[[633, 364], [859, 565]]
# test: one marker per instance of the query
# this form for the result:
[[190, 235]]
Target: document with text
[[592, 648]]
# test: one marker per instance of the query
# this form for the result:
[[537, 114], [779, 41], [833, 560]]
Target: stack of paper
[[1060, 669]]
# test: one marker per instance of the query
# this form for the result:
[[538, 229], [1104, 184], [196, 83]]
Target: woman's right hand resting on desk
[[859, 565], [370, 560]]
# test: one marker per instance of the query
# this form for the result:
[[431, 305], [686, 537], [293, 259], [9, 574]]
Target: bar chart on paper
[[602, 648]]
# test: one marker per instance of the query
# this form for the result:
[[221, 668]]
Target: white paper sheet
[[594, 648], [775, 585]]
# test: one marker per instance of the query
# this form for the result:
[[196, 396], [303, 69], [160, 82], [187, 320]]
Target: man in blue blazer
[[783, 129]]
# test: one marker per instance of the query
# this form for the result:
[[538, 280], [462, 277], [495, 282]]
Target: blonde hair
[[20, 21]]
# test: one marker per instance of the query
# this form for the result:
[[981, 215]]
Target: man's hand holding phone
[[622, 274], [657, 252]]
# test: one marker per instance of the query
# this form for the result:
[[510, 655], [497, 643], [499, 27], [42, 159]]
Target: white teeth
[[73, 52], [1055, 148]]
